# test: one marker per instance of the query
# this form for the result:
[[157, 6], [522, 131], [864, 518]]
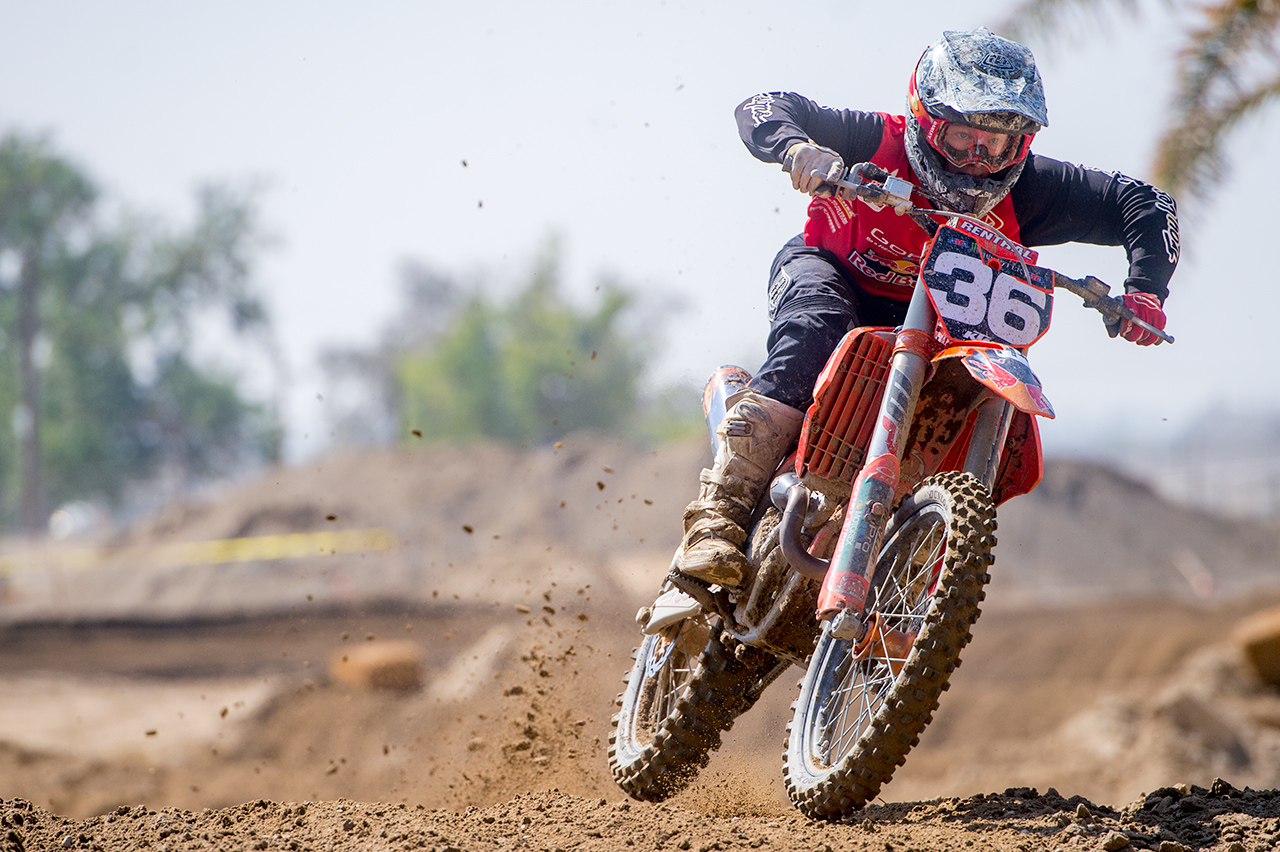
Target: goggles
[[963, 145]]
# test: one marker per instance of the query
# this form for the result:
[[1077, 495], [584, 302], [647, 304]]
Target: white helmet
[[982, 81]]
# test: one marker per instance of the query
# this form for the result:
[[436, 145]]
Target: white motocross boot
[[755, 436]]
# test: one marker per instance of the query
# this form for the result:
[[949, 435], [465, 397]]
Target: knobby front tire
[[856, 718]]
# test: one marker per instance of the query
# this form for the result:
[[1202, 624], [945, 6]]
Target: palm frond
[[1190, 159], [1229, 70], [1219, 52], [1048, 19]]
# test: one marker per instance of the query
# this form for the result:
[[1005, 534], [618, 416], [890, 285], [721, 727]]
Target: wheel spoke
[[910, 585], [667, 669], [845, 739], [851, 705], [673, 679], [902, 596]]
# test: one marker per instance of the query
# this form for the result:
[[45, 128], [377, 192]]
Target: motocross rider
[[974, 103]]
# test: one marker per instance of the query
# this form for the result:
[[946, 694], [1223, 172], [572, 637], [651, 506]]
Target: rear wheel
[[686, 688], [863, 705]]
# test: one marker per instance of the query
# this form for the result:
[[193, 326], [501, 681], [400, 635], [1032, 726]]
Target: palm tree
[[1228, 70]]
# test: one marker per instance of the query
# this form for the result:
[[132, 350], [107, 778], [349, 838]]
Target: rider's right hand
[[812, 165]]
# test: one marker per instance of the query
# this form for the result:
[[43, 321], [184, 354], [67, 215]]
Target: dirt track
[[1107, 700], [526, 738], [1169, 819]]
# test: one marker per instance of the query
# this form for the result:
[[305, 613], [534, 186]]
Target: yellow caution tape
[[259, 548]]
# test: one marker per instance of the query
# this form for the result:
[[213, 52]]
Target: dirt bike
[[870, 552]]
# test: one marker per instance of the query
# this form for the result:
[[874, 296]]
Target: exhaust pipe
[[793, 499]]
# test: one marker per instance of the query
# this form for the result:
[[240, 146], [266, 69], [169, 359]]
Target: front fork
[[986, 444], [848, 579], [847, 582]]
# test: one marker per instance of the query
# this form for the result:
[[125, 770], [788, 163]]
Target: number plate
[[981, 292]]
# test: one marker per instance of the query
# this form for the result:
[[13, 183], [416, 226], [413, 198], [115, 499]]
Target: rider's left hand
[[1145, 307]]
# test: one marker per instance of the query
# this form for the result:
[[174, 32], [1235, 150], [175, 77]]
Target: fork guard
[[1005, 371]]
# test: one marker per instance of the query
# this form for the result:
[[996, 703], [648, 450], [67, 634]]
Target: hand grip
[[1097, 295]]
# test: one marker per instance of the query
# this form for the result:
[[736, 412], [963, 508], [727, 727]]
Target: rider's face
[[976, 152]]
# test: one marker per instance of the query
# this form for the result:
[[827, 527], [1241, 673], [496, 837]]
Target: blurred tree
[[101, 321], [197, 419], [1228, 70], [363, 392], [531, 370], [42, 199], [458, 364]]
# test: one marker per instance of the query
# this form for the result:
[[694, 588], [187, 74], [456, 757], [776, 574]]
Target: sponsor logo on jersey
[[761, 109], [835, 210], [887, 270], [878, 237], [1165, 204]]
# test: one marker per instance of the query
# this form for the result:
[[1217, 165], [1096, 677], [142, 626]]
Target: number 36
[[980, 300]]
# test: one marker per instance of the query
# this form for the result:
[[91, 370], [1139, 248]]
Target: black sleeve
[[771, 123], [1056, 203]]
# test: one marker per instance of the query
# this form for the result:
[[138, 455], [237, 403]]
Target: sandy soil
[[1168, 819], [1100, 675]]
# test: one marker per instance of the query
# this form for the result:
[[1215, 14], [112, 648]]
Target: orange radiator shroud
[[846, 401]]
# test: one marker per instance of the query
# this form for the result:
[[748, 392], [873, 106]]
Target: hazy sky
[[611, 126]]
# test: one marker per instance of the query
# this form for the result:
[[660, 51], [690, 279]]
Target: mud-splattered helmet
[[978, 80]]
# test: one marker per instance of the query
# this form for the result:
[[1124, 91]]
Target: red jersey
[[880, 248]]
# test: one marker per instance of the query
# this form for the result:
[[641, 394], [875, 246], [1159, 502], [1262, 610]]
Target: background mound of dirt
[[488, 522], [482, 522]]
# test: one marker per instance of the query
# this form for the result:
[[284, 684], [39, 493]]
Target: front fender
[[1005, 371]]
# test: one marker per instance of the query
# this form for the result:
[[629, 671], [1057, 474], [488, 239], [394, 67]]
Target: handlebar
[[1097, 295], [874, 185]]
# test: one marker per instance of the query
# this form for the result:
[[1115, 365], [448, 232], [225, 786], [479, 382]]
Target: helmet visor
[[965, 146]]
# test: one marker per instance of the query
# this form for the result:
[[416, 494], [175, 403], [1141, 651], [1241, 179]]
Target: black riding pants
[[813, 303]]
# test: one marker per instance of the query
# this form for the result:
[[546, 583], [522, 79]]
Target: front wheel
[[863, 704]]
